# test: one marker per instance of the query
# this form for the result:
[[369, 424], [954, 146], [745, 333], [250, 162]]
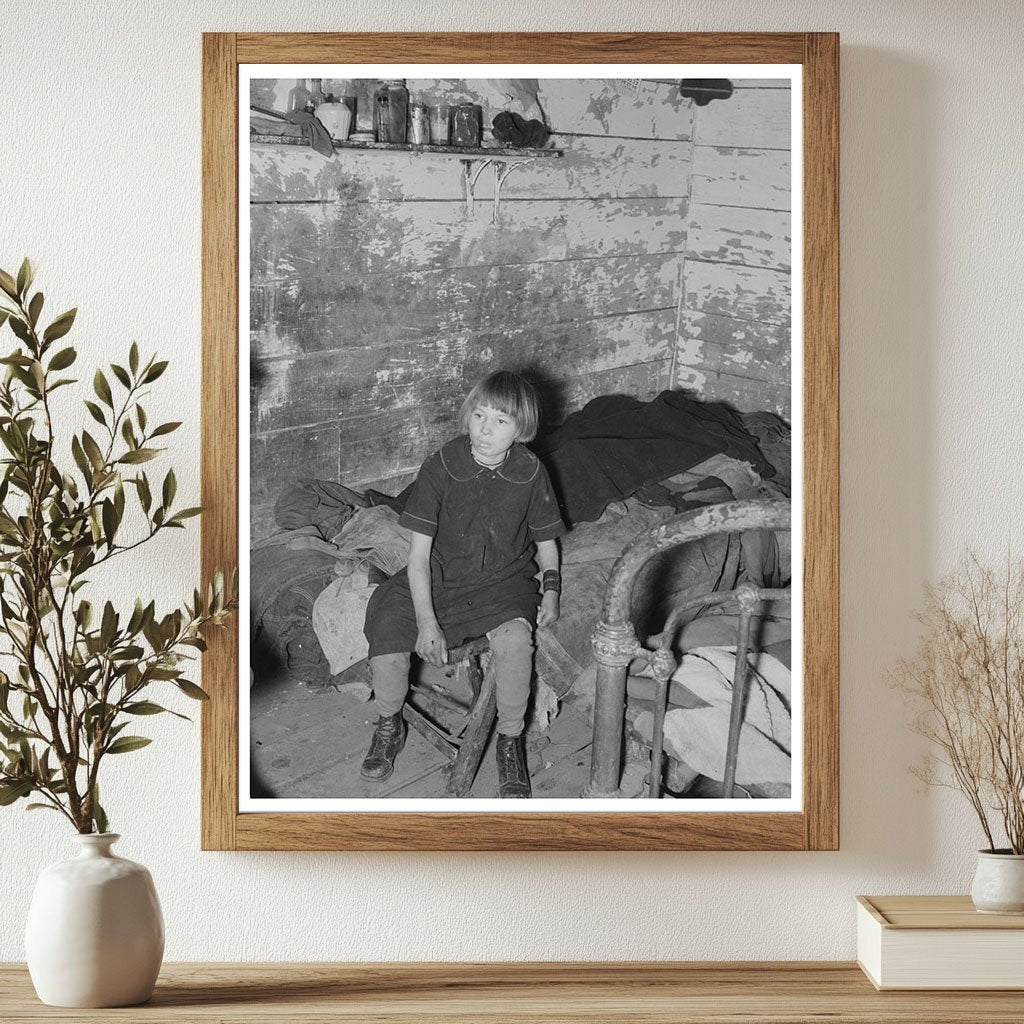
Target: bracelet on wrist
[[551, 580]]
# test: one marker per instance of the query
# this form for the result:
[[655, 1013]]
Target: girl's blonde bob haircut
[[508, 393]]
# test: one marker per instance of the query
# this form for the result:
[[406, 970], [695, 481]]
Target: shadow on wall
[[889, 263]]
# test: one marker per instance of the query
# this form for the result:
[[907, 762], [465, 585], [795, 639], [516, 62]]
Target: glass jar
[[391, 110], [419, 124], [439, 123], [466, 119]]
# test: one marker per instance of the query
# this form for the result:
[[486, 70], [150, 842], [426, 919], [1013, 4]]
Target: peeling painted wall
[[377, 300], [735, 317]]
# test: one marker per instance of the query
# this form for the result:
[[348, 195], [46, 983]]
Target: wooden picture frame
[[815, 826]]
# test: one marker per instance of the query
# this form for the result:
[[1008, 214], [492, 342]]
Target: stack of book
[[938, 942]]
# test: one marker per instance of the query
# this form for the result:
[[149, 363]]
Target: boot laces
[[510, 758], [387, 732]]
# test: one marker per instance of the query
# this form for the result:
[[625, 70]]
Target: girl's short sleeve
[[422, 508], [543, 517]]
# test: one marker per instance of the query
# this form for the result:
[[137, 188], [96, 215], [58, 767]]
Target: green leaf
[[170, 488], [170, 674], [16, 359], [14, 790], [102, 388], [138, 455], [108, 627], [191, 690], [140, 415], [26, 274], [99, 816], [185, 513], [133, 358], [80, 459], [144, 707], [128, 433], [95, 412], [109, 521], [145, 497], [84, 615], [8, 284], [34, 308], [121, 374], [165, 428], [125, 744], [41, 807], [135, 622], [20, 328], [60, 326], [92, 449], [63, 359], [154, 372]]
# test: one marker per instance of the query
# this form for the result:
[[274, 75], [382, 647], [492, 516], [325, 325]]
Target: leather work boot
[[388, 740], [513, 775]]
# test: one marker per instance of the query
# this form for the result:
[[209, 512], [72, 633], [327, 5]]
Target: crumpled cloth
[[338, 615], [313, 131], [512, 129], [371, 538], [698, 736], [323, 504], [616, 444], [373, 535]]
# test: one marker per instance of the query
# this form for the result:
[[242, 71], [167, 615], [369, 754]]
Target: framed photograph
[[520, 420]]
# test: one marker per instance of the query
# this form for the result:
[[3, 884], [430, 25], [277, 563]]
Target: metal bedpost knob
[[663, 664], [615, 646]]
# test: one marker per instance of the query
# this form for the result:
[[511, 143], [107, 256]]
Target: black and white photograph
[[523, 437]]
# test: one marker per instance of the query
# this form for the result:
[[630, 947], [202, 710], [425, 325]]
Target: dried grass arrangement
[[967, 682]]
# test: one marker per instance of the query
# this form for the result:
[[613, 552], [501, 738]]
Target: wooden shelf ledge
[[631, 993]]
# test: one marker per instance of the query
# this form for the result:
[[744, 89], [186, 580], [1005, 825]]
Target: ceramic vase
[[336, 118], [998, 886], [95, 933]]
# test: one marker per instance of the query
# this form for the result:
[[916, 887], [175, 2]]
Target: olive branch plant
[[966, 681], [78, 674]]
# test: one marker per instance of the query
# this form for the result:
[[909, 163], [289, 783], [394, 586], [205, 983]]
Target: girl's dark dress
[[485, 523]]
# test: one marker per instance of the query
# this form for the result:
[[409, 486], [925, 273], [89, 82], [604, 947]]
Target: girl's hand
[[431, 645], [548, 614]]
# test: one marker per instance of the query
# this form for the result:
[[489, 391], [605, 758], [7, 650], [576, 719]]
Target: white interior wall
[[100, 175]]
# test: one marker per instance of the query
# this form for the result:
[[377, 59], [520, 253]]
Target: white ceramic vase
[[336, 118], [95, 933], [998, 886]]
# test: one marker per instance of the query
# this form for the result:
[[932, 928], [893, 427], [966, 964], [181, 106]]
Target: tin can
[[466, 119], [419, 124]]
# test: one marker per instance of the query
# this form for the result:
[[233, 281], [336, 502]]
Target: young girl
[[482, 517]]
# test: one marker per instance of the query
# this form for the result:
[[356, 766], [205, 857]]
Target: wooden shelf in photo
[[503, 160], [503, 153]]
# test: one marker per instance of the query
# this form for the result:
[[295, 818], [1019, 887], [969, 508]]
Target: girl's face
[[491, 432]]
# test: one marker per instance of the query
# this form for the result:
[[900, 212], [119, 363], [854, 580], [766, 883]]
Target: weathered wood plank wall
[[735, 320], [376, 302]]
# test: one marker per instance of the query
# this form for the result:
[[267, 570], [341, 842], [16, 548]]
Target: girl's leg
[[390, 674], [512, 653], [512, 661]]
